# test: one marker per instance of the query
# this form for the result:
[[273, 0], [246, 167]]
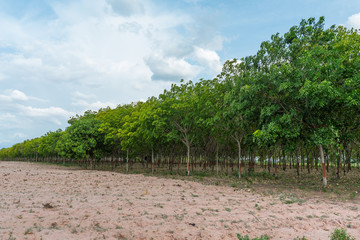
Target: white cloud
[[171, 68], [11, 95], [354, 21], [20, 60], [19, 135], [44, 112], [94, 105], [78, 94], [7, 117], [96, 53], [127, 7], [18, 95], [208, 58]]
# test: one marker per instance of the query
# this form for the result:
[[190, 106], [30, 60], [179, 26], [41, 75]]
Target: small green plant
[[352, 195], [194, 195], [98, 228], [179, 217], [11, 237], [246, 237], [28, 231], [158, 205], [353, 208], [340, 234]]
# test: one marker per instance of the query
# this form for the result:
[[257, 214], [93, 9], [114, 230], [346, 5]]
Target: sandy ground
[[50, 202]]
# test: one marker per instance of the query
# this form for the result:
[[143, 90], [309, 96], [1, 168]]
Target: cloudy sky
[[59, 58]]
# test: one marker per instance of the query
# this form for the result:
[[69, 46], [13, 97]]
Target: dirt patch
[[50, 202]]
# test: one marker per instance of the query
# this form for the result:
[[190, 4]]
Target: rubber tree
[[152, 127], [82, 140], [131, 140], [48, 143], [179, 107], [112, 121], [239, 113]]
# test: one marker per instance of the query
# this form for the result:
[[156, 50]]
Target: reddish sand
[[49, 202]]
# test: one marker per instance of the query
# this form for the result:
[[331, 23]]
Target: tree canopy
[[299, 92]]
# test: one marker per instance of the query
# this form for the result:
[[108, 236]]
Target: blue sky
[[59, 58]]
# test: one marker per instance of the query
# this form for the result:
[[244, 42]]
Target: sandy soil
[[50, 202]]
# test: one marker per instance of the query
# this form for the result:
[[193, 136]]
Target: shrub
[[246, 237], [340, 234]]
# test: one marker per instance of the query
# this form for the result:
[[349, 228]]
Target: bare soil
[[40, 201]]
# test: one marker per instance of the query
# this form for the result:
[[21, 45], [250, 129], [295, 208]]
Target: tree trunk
[[188, 159], [338, 165], [323, 165], [275, 165], [127, 160], [269, 160], [152, 161], [297, 163], [217, 160], [348, 157], [239, 158]]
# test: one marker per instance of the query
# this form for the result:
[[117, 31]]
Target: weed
[[246, 237], [11, 237], [159, 205], [290, 199], [98, 228], [353, 208], [54, 226], [179, 217], [228, 209], [340, 234], [194, 195], [352, 195], [28, 231]]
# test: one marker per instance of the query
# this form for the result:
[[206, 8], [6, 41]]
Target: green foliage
[[298, 94], [246, 237], [340, 234], [82, 140]]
